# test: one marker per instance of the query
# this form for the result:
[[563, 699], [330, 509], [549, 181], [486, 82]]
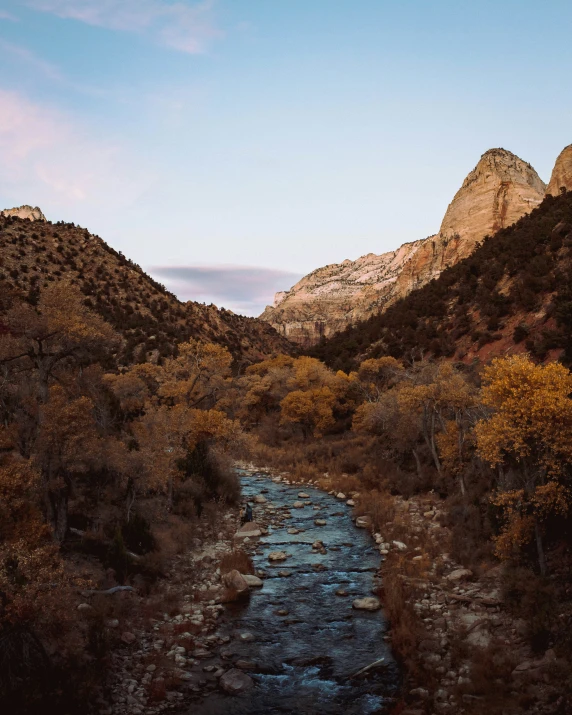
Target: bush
[[137, 535]]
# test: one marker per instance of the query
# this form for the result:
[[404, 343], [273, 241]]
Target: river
[[304, 640]]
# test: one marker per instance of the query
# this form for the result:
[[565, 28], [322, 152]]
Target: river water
[[306, 641]]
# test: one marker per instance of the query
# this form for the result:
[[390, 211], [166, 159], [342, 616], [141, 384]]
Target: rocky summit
[[32, 213], [499, 190], [562, 173]]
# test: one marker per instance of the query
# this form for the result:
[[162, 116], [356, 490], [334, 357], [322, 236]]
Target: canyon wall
[[499, 190]]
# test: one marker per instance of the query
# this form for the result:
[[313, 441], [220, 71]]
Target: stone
[[246, 637], [293, 531], [128, 638], [320, 522], [250, 530], [284, 573], [340, 495], [368, 603], [298, 505], [399, 545], [235, 682], [500, 189], [341, 592], [235, 580], [363, 522], [277, 556], [303, 495], [350, 502], [459, 575], [260, 499], [84, 608], [252, 581], [318, 545]]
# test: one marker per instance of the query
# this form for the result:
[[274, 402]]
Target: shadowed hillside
[[511, 295], [150, 319]]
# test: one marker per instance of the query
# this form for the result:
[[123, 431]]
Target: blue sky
[[230, 146]]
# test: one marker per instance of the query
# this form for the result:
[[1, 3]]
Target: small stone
[[284, 573], [350, 502], [293, 531], [282, 612], [399, 545], [84, 608], [340, 495], [259, 499], [320, 522], [363, 522], [246, 637], [369, 603], [128, 637], [277, 556], [303, 495], [341, 592], [298, 505], [459, 575], [235, 580]]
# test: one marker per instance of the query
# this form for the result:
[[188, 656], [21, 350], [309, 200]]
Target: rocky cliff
[[499, 190], [32, 213], [562, 173]]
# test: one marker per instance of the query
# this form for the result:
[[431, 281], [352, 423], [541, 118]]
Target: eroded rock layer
[[499, 190]]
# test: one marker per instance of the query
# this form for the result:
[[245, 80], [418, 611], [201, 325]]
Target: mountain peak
[[32, 213], [562, 172]]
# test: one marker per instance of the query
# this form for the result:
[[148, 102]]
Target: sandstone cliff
[[562, 173], [499, 190], [32, 213]]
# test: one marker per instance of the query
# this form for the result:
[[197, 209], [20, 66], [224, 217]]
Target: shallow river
[[302, 660]]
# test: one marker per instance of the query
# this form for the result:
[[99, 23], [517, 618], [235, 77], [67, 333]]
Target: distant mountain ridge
[[500, 189], [35, 252]]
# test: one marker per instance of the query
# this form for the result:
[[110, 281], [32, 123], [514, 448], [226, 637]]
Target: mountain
[[562, 173], [513, 294], [499, 190], [34, 252], [32, 213]]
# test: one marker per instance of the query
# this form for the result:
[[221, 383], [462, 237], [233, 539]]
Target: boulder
[[350, 502], [399, 545], [369, 603], [277, 556], [340, 495], [298, 505], [284, 573], [250, 530], [252, 581], [293, 531], [84, 608], [259, 499], [128, 638], [303, 495], [363, 522], [320, 522], [235, 682], [235, 580]]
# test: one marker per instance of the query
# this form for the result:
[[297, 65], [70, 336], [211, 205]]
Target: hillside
[[513, 294], [151, 319], [496, 193]]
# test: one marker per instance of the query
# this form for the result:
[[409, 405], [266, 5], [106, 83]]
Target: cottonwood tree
[[58, 331], [529, 430]]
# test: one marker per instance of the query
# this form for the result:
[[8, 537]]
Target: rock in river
[[277, 556], [363, 522], [235, 580], [259, 499], [369, 603], [253, 581], [235, 682], [320, 522], [303, 495], [298, 505]]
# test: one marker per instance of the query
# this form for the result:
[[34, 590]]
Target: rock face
[[32, 213], [562, 173], [499, 190]]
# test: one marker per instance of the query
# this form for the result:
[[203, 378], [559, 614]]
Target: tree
[[59, 330], [311, 409], [530, 430]]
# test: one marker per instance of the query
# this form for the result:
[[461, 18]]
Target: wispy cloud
[[45, 157], [183, 26], [243, 289], [7, 16], [23, 54]]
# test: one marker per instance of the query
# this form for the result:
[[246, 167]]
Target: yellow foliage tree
[[530, 428], [311, 409]]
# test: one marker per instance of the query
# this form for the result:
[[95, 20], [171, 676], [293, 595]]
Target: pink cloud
[[179, 25], [47, 159]]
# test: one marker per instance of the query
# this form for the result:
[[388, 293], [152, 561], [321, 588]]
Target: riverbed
[[298, 636]]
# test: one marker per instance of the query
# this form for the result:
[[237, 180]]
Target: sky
[[231, 146]]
